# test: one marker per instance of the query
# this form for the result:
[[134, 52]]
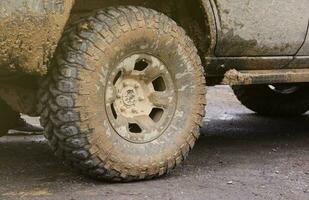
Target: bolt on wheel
[[140, 98]]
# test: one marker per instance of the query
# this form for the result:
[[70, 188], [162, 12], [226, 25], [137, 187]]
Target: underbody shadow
[[223, 144]]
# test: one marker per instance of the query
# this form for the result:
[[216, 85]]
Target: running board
[[248, 77]]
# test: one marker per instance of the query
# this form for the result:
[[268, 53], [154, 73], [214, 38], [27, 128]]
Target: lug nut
[[118, 96], [134, 110]]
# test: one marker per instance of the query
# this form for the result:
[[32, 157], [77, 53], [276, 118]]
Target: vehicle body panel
[[29, 33], [260, 27], [301, 60], [304, 51], [243, 34], [229, 34]]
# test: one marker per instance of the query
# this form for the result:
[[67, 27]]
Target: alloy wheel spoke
[[161, 99], [128, 66], [121, 123], [145, 122], [152, 72]]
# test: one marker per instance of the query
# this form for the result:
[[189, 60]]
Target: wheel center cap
[[129, 97]]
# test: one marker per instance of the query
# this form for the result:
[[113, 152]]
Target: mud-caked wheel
[[126, 95], [274, 100]]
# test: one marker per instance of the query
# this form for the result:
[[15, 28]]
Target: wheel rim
[[284, 89], [140, 98]]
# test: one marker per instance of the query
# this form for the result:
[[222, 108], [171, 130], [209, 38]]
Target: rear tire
[[96, 110], [267, 100], [8, 118]]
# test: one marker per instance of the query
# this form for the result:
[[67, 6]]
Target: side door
[[304, 51], [260, 27], [301, 59]]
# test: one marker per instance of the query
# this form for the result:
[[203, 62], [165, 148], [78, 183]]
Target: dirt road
[[239, 156]]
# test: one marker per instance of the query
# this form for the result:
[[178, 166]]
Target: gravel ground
[[239, 156]]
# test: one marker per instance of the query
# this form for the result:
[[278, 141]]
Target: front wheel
[[274, 100], [126, 95]]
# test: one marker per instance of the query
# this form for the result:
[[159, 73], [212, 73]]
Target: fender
[[29, 33], [211, 13]]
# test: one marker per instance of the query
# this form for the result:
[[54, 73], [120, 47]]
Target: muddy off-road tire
[[277, 100], [126, 95]]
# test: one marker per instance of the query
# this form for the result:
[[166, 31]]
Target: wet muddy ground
[[239, 156]]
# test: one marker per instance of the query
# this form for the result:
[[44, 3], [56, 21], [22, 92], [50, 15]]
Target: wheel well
[[191, 15]]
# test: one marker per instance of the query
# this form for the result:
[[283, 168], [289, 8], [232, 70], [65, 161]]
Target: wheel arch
[[196, 17]]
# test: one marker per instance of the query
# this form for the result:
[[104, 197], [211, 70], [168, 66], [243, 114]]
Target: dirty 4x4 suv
[[120, 84]]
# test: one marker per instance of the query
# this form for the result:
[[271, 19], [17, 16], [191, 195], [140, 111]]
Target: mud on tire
[[96, 101]]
